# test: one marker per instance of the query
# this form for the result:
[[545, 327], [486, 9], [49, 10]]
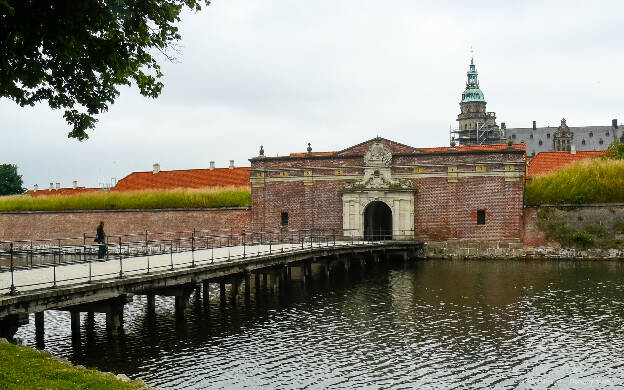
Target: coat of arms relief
[[378, 171]]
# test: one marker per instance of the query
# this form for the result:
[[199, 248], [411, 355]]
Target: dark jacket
[[101, 236]]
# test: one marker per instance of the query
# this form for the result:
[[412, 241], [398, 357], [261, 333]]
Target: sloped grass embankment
[[193, 198], [586, 182]]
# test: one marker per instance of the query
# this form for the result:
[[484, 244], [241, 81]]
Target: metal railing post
[[193, 249], [12, 291], [54, 267], [334, 231], [147, 252], [84, 255], [120, 260], [244, 254], [171, 252], [31, 254]]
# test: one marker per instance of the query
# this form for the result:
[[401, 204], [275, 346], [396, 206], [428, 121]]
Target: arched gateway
[[377, 221]]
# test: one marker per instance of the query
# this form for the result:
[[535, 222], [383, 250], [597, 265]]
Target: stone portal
[[378, 205]]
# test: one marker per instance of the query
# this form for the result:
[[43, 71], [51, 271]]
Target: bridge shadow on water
[[148, 334]]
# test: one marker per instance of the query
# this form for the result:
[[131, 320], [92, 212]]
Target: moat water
[[426, 324]]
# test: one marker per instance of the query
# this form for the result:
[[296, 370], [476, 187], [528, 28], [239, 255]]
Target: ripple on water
[[435, 324]]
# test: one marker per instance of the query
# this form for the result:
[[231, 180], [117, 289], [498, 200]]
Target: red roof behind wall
[[187, 178], [546, 162]]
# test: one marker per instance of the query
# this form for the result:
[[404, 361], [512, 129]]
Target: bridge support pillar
[[151, 304], [256, 282], [222, 292], [180, 304], [40, 329], [114, 320], [10, 324], [75, 322], [206, 290], [247, 285]]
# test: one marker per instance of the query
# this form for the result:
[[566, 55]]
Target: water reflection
[[503, 324]]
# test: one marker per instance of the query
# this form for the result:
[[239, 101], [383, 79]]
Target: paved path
[[75, 273]]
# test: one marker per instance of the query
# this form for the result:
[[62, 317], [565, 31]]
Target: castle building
[[476, 125], [383, 189], [565, 138]]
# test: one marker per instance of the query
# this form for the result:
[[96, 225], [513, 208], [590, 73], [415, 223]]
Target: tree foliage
[[74, 54], [616, 151], [10, 182]]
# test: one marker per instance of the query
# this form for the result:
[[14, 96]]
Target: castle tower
[[476, 126]]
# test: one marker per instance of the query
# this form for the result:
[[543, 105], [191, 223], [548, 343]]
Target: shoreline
[[31, 367], [457, 250]]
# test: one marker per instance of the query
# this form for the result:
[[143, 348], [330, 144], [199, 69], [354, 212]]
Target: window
[[513, 136], [531, 136], [583, 142], [607, 133], [591, 133], [548, 135], [540, 142], [284, 219], [601, 141], [480, 217]]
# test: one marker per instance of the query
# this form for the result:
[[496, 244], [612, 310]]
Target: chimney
[[156, 168], [75, 184], [572, 149], [534, 125], [36, 188], [212, 166], [231, 164], [58, 186], [51, 186], [614, 123]]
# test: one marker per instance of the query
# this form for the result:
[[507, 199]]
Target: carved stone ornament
[[378, 155]]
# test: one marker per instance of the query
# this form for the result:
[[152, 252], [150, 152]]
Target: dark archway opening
[[378, 221]]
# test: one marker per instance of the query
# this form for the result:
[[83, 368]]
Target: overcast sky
[[336, 73]]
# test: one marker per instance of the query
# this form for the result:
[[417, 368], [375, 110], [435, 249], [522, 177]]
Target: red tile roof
[[188, 178], [465, 148], [545, 162], [62, 191]]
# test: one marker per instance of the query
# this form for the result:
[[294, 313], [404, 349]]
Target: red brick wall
[[442, 210], [38, 225], [531, 235]]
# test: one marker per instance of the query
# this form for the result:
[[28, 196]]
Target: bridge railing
[[36, 264]]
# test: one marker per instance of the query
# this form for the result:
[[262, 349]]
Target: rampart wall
[[44, 224]]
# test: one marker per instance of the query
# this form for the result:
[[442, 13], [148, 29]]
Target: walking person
[[100, 238]]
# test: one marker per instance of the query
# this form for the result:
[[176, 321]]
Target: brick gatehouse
[[381, 187]]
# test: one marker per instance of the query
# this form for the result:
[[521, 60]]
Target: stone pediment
[[362, 148], [378, 172]]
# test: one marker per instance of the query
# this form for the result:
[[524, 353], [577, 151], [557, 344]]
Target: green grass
[[195, 198], [593, 180], [25, 368]]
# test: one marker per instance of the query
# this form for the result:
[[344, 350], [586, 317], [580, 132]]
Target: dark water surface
[[427, 324]]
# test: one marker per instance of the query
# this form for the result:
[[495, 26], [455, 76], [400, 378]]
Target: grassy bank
[[589, 181], [193, 198], [25, 368]]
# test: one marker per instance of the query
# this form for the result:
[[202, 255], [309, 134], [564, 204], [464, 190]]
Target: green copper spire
[[472, 92]]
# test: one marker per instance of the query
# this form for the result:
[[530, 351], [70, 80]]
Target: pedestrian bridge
[[65, 274]]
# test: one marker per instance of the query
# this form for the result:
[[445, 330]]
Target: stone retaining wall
[[510, 250], [44, 224]]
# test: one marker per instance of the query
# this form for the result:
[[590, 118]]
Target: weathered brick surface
[[41, 225], [531, 235], [442, 210]]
